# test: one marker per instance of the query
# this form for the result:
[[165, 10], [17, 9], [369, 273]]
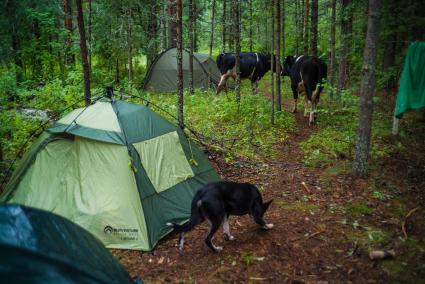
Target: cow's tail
[[320, 82], [195, 219]]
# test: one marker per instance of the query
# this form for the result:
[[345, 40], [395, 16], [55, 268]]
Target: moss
[[357, 208], [328, 175], [397, 209], [369, 238], [409, 265], [297, 206]]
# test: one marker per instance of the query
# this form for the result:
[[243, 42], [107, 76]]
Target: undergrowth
[[238, 130], [336, 139]]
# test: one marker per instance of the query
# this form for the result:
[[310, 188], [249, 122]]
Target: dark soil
[[323, 230]]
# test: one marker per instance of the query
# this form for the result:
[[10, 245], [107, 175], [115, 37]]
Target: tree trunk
[[278, 38], [360, 164], [37, 67], [297, 27], [153, 31], [223, 24], [172, 23], [191, 47], [11, 11], [237, 29], [163, 26], [272, 61], [306, 25], [232, 31], [332, 47], [212, 26], [283, 30], [179, 42], [314, 18], [195, 26], [389, 61], [250, 25], [83, 48], [90, 35], [130, 49], [390, 45], [69, 56], [117, 72], [344, 50]]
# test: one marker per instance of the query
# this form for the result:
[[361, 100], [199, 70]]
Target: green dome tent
[[117, 169], [40, 247], [162, 74]]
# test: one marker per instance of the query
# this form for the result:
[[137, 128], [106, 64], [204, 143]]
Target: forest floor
[[326, 224]]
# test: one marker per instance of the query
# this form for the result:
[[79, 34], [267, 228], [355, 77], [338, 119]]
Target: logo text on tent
[[123, 234]]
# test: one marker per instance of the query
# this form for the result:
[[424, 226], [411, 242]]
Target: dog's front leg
[[226, 230]]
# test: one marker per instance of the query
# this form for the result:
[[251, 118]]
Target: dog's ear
[[266, 205]]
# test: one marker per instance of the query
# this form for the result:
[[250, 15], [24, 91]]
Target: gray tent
[[162, 74]]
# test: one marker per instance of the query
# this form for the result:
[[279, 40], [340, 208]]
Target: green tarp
[[117, 169], [40, 247], [411, 93]]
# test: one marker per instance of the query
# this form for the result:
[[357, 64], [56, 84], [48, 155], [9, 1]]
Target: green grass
[[357, 208]]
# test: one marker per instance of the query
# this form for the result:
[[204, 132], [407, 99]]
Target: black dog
[[216, 201]]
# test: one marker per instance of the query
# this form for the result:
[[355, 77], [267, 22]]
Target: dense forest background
[[40, 45], [40, 39]]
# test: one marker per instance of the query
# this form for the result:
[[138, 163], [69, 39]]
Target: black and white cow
[[253, 66], [308, 75]]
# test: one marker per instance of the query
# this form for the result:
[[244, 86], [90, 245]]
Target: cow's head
[[269, 63], [287, 65]]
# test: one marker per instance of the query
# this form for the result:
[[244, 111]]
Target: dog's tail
[[195, 219]]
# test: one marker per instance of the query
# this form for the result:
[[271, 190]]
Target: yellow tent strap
[[131, 165]]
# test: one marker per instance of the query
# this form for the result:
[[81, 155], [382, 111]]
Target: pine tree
[[179, 42], [83, 48], [360, 163]]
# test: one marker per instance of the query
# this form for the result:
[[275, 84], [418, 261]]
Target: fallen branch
[[257, 278], [308, 237], [314, 234], [403, 225], [305, 187]]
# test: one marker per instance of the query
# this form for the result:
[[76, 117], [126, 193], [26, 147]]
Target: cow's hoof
[[229, 237], [268, 226]]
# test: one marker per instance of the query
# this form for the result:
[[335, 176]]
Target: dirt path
[[307, 245]]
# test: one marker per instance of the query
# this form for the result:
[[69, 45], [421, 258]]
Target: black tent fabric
[[40, 247]]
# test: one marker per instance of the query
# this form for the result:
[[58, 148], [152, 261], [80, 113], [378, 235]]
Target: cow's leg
[[305, 106], [317, 98], [308, 94], [256, 87], [311, 119], [253, 87], [222, 84], [295, 95]]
